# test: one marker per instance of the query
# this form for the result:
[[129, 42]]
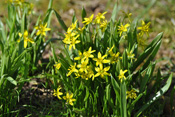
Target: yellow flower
[[88, 20], [88, 54], [102, 72], [79, 57], [131, 94], [130, 55], [100, 60], [81, 29], [69, 31], [114, 57], [83, 66], [103, 25], [57, 65], [42, 29], [90, 73], [122, 76], [144, 28], [85, 75], [26, 38], [73, 25], [71, 38], [69, 98], [58, 93], [100, 17], [110, 50], [123, 28], [73, 42], [68, 37], [72, 69]]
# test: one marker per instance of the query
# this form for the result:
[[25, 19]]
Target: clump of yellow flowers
[[84, 68], [26, 37], [69, 96], [92, 62]]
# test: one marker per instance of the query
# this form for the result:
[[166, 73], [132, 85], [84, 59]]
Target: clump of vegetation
[[106, 67]]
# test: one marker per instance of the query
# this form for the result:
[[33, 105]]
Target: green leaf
[[50, 4], [87, 94], [115, 11], [24, 23], [83, 14], [152, 55], [10, 79], [155, 97], [74, 18], [63, 25], [125, 60], [53, 52], [147, 76], [116, 87], [123, 101], [108, 97], [3, 36], [80, 111], [154, 45]]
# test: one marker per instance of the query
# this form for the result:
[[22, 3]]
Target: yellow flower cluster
[[84, 70], [16, 2], [73, 32], [41, 31], [84, 67], [143, 29], [123, 28], [131, 94], [114, 57], [71, 36], [68, 97]]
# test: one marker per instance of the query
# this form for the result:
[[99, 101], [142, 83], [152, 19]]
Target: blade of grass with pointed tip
[[125, 60], [116, 87], [83, 14], [63, 25], [11, 80], [115, 11]]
